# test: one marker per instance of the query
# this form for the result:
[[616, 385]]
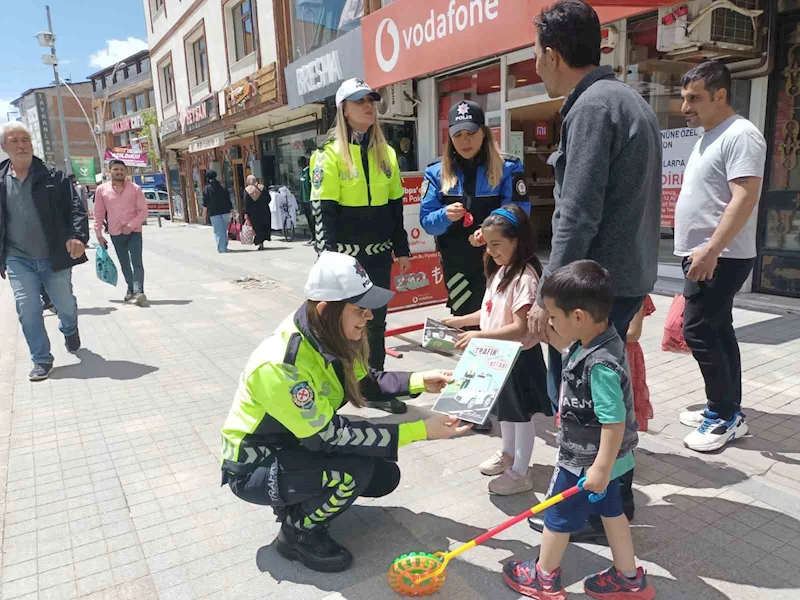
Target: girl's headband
[[507, 215]]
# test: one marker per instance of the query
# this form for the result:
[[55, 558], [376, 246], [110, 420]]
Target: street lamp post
[[88, 121], [48, 40]]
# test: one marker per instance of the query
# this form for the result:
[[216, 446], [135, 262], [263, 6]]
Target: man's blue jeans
[[27, 276], [129, 253], [220, 224]]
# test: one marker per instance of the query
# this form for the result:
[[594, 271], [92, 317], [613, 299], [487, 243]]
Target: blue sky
[[91, 34]]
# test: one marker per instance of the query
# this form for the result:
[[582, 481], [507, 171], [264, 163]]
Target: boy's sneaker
[[128, 296], [497, 463], [40, 372], [523, 578], [510, 483], [693, 418], [613, 585], [73, 342], [715, 432]]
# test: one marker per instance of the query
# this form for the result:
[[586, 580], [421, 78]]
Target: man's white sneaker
[[693, 418], [714, 433]]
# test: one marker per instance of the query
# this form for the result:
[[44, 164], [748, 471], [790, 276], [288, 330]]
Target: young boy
[[596, 434]]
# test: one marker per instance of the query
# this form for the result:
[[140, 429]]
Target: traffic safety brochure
[[477, 380], [438, 336]]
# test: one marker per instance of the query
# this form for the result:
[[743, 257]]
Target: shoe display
[[73, 342], [497, 463], [40, 372], [693, 418], [613, 585], [715, 432], [510, 483], [523, 578], [315, 549]]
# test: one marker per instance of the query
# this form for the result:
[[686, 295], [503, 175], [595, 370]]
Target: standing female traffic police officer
[[470, 181], [357, 197]]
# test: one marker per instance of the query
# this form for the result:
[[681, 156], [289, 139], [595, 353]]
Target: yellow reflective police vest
[[359, 213]]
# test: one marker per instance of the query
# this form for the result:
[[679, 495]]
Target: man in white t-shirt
[[715, 234]]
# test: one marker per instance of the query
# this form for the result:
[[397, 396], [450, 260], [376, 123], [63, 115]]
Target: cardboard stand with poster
[[423, 285]]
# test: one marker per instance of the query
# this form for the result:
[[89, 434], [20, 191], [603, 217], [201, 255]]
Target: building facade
[[38, 109], [123, 109]]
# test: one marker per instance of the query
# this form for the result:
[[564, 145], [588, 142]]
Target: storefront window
[[523, 81], [227, 174], [198, 194], [401, 137], [289, 149], [481, 86], [316, 23]]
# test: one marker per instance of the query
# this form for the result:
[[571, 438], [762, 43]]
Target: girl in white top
[[512, 273]]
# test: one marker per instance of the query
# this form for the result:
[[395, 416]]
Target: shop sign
[[137, 122], [152, 180], [128, 156], [121, 125], [44, 128], [542, 131], [170, 126], [208, 143], [407, 39], [200, 114], [318, 75], [676, 146], [261, 87], [84, 169], [423, 284]]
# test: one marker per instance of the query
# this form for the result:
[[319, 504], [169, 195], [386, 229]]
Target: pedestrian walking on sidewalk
[[82, 192], [217, 205], [43, 234], [357, 186], [608, 177], [256, 207], [715, 235], [284, 443], [123, 205]]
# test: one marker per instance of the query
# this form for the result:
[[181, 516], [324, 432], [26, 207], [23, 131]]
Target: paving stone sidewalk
[[109, 476]]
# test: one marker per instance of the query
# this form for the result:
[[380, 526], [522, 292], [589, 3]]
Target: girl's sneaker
[[497, 464], [613, 585], [523, 578], [510, 483]]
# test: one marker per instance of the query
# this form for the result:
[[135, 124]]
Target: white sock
[[524, 436], [507, 433]]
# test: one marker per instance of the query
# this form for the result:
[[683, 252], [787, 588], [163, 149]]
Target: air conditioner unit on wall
[[711, 29], [397, 101]]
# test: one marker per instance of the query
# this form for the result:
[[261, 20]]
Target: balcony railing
[[123, 84]]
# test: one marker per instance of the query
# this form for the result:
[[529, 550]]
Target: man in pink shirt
[[123, 204]]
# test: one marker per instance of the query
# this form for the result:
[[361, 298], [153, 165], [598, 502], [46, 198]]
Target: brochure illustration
[[477, 380], [439, 336]]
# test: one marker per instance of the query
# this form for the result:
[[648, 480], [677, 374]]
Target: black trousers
[[313, 487], [309, 214], [709, 333], [380, 272]]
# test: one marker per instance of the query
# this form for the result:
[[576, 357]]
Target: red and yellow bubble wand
[[422, 573]]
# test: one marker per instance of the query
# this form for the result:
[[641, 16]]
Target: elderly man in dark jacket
[[43, 234]]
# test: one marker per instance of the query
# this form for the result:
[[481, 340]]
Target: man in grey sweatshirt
[[607, 169]]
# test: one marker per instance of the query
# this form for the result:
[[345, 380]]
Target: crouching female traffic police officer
[[470, 181], [357, 198], [283, 443]]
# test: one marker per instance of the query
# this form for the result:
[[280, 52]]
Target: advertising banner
[[84, 169], [676, 146], [423, 284], [130, 158]]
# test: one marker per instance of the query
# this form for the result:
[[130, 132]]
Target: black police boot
[[315, 549], [591, 533]]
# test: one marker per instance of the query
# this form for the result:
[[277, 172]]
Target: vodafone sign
[[410, 38]]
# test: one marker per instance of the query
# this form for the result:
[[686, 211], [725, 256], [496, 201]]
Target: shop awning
[[411, 38]]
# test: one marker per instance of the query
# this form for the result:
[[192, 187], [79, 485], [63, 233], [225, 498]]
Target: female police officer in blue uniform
[[357, 199], [459, 192]]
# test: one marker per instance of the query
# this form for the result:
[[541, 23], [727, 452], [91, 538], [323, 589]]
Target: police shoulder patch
[[302, 395], [423, 189], [316, 177], [521, 187]]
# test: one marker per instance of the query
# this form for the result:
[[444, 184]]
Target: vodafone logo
[[391, 29], [458, 17]]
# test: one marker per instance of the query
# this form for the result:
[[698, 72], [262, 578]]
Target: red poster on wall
[[423, 284]]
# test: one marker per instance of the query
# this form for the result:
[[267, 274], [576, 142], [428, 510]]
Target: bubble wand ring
[[421, 573]]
